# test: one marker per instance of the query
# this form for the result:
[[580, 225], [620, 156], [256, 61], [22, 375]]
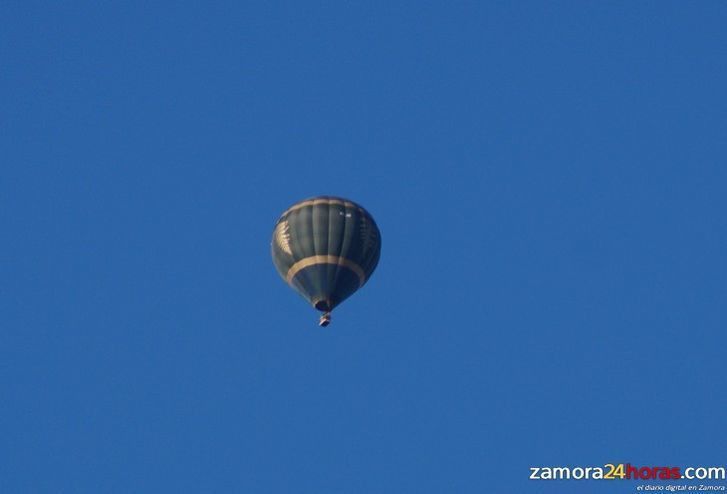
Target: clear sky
[[550, 182]]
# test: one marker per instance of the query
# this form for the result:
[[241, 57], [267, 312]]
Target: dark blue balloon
[[326, 248]]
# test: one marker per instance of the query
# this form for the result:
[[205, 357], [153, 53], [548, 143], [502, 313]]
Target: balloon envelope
[[326, 248]]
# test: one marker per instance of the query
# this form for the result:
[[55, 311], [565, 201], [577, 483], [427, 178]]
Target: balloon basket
[[325, 320]]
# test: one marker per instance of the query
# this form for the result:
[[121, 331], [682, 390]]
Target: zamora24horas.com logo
[[627, 471]]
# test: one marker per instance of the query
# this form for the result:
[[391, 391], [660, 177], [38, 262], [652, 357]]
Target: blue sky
[[549, 179]]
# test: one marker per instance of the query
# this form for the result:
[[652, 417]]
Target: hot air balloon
[[326, 248]]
